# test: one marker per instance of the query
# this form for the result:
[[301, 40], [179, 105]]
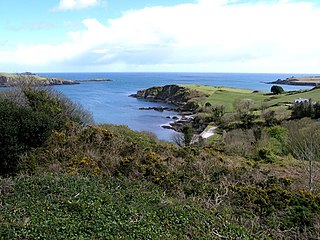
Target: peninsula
[[299, 81], [14, 79]]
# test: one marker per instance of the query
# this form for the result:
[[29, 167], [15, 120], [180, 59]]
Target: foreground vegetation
[[77, 180]]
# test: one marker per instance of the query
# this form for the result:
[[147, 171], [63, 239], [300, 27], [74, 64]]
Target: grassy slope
[[227, 96]]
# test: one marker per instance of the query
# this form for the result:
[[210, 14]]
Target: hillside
[[63, 177]]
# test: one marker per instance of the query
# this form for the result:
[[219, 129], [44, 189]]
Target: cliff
[[172, 94], [9, 80]]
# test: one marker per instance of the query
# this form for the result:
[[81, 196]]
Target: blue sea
[[109, 102]]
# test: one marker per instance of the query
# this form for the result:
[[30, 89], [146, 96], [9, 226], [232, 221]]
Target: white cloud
[[204, 36], [75, 4]]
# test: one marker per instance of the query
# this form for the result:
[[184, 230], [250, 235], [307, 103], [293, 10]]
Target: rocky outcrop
[[160, 109], [55, 81], [172, 94], [96, 80]]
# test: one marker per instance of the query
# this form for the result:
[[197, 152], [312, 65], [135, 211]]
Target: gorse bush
[[104, 149], [28, 118], [273, 198]]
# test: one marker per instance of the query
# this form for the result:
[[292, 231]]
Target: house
[[301, 100]]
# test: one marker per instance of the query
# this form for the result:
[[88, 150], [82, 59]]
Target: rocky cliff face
[[172, 94]]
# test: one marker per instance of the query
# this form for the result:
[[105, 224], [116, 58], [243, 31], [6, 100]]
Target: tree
[[304, 142], [269, 117], [218, 112], [316, 110], [187, 131], [275, 89], [306, 108], [245, 114]]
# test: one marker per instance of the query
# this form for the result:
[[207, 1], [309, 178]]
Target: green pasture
[[228, 96]]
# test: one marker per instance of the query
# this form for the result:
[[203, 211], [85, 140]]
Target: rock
[[160, 109], [168, 127]]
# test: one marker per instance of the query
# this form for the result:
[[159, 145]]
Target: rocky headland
[[300, 81], [171, 94], [176, 95], [15, 79]]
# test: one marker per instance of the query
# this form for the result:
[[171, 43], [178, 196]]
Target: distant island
[[14, 79], [299, 81]]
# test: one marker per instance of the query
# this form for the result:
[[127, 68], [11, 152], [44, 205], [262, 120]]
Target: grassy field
[[228, 96]]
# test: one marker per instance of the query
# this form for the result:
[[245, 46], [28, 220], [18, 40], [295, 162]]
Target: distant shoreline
[[299, 81], [15, 79]]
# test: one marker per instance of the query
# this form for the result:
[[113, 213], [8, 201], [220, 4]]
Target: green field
[[228, 96]]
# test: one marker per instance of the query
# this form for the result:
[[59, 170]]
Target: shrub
[[27, 120], [239, 142], [273, 199], [20, 130]]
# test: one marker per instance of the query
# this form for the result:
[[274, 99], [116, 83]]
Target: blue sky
[[160, 35]]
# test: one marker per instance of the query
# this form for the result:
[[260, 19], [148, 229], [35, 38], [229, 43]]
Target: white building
[[301, 100]]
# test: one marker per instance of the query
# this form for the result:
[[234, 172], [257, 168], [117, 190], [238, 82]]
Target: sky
[[276, 36]]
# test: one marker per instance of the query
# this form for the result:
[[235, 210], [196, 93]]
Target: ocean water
[[109, 102]]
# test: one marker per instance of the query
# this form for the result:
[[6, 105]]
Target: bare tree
[[178, 139], [304, 142]]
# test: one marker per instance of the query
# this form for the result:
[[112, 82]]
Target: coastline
[[16, 79], [298, 81], [28, 78], [196, 103]]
